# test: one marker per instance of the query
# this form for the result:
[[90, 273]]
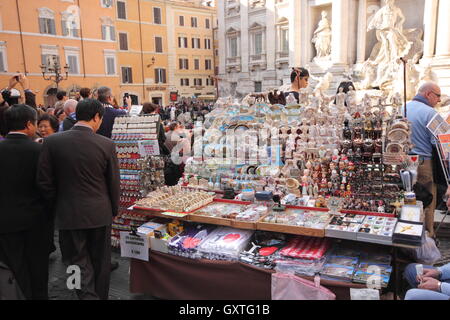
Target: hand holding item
[[128, 102], [13, 81], [429, 284], [23, 80]]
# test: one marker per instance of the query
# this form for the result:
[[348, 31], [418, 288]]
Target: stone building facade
[[262, 39]]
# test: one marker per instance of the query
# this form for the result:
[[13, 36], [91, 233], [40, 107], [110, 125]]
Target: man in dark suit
[[23, 219], [78, 172]]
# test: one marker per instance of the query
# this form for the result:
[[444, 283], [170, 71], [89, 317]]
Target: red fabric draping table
[[167, 276]]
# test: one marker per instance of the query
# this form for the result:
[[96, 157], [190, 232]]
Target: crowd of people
[[59, 170]]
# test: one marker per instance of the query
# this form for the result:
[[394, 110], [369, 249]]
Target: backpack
[[9, 288]]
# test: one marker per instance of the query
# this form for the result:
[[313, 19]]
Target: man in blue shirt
[[105, 96], [419, 112]]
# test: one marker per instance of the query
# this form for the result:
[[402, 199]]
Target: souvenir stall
[[141, 168], [318, 188]]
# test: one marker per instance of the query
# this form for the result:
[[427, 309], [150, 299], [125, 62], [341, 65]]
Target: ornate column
[[430, 23], [245, 45], [362, 32], [221, 35], [340, 27], [443, 28], [271, 36]]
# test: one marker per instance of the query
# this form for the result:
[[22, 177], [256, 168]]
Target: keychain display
[[138, 174]]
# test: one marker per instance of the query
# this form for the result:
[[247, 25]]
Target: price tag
[[148, 148], [135, 110], [133, 246], [174, 214]]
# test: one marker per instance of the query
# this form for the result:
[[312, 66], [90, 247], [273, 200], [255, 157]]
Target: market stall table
[[167, 276]]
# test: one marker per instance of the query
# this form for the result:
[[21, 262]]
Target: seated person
[[434, 284]]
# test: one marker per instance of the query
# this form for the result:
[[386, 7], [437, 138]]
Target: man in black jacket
[[78, 173], [23, 220]]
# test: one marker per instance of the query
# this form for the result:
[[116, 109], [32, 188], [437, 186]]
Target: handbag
[[290, 287]]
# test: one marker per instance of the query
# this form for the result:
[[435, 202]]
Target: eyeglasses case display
[[224, 243], [186, 243]]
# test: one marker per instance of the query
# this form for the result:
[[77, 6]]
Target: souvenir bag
[[290, 287]]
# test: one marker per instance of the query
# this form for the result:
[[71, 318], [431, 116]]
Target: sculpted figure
[[322, 37]]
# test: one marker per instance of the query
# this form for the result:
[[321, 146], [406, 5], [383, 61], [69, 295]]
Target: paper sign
[[148, 148], [438, 126], [135, 110], [132, 246]]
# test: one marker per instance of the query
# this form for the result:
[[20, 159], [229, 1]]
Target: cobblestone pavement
[[119, 284]]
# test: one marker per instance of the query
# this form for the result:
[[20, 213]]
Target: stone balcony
[[233, 64], [257, 61], [282, 59]]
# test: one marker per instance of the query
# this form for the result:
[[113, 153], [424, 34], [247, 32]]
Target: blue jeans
[[410, 275]]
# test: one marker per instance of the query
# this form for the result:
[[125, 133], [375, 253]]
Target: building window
[[181, 21], [160, 75], [46, 21], [209, 82], [72, 61], [182, 42], [196, 64], [196, 43], [207, 25], [193, 22], [123, 41], [233, 47], [258, 86], [3, 62], [121, 10], [184, 82], [157, 15], [108, 32], [158, 44], [197, 82], [110, 63], [184, 64], [107, 3], [217, 52], [258, 37], [284, 40], [208, 64], [127, 75], [69, 28], [207, 43], [283, 36]]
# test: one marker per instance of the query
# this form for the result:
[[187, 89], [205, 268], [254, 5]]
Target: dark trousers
[[90, 250], [26, 254]]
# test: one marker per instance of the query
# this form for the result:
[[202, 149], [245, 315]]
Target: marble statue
[[323, 84], [322, 37], [392, 44], [340, 99], [351, 100]]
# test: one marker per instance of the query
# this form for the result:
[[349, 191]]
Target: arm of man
[[113, 181], [445, 271], [45, 179]]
